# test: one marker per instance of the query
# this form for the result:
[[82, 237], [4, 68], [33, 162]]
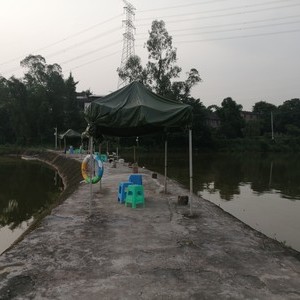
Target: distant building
[[249, 116], [84, 100], [213, 120]]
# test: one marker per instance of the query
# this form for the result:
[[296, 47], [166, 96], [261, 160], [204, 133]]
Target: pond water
[[261, 190], [26, 189]]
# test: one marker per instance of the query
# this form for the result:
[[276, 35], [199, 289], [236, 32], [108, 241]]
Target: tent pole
[[100, 146], [166, 164], [191, 169], [91, 175]]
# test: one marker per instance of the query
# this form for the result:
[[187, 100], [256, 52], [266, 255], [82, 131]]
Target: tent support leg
[[191, 169], [100, 149], [91, 175], [166, 164]]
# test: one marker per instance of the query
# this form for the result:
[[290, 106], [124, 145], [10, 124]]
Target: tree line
[[213, 123], [32, 106]]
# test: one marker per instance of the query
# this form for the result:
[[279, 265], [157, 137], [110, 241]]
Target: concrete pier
[[156, 252]]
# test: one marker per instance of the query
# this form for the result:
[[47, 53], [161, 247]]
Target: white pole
[[166, 164], [191, 168], [91, 175], [271, 173], [55, 137], [100, 146]]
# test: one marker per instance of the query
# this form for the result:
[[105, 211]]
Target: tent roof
[[134, 110], [70, 133]]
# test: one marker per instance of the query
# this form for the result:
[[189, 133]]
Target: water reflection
[[261, 190], [26, 188], [264, 173], [228, 171]]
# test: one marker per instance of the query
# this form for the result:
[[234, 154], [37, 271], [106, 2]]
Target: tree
[[46, 90], [263, 110], [18, 108], [161, 68], [162, 57], [232, 122], [36, 74], [288, 114], [160, 74], [32, 106], [133, 70], [181, 90], [73, 118], [201, 131], [6, 130]]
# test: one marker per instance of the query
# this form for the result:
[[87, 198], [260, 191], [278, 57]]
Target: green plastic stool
[[135, 195]]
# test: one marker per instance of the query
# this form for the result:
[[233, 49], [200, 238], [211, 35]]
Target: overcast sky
[[245, 49]]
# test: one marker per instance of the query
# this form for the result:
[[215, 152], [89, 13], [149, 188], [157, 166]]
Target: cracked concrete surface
[[156, 252]]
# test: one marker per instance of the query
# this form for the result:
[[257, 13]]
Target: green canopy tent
[[133, 111]]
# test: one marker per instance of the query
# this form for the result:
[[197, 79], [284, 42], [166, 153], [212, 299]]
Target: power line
[[196, 4], [184, 30], [71, 59], [229, 30], [231, 24], [82, 31], [240, 37], [94, 60], [84, 42], [179, 6], [64, 39], [224, 15], [91, 52], [225, 9], [235, 37]]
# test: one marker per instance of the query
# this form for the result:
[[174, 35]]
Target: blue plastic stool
[[135, 195], [123, 191], [136, 179]]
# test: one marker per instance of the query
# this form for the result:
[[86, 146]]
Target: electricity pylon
[[128, 39]]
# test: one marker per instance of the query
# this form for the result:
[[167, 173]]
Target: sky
[[248, 50]]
